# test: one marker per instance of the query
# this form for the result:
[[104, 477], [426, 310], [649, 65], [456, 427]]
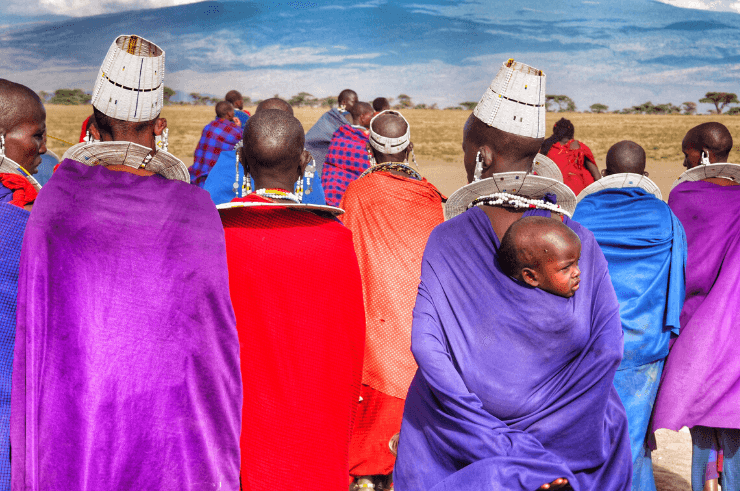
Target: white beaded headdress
[[130, 83], [515, 101], [386, 145]]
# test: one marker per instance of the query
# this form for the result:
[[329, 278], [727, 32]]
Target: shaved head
[[381, 104], [273, 140], [223, 109], [713, 138], [362, 113], [22, 124], [502, 151], [389, 125], [347, 98], [625, 157], [235, 98], [274, 103]]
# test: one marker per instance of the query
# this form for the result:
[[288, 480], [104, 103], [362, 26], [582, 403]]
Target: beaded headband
[[386, 145], [622, 180]]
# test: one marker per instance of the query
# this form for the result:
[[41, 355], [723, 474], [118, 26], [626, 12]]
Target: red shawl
[[571, 163], [296, 290], [23, 191], [391, 218]]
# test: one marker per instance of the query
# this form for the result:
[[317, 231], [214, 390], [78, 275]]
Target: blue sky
[[617, 52]]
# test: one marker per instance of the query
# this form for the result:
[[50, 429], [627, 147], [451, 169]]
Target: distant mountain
[[441, 51]]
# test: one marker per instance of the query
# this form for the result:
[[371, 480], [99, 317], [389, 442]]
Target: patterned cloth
[[346, 159], [319, 136], [12, 224], [218, 135], [243, 117]]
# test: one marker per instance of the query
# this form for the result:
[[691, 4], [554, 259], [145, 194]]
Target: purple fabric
[[126, 372], [515, 385], [701, 379]]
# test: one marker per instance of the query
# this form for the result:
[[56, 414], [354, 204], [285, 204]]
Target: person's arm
[[590, 162]]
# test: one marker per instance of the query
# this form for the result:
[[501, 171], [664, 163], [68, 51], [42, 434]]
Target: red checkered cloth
[[218, 135], [346, 159]]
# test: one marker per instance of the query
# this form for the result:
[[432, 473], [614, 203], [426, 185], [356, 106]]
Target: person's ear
[[487, 156], [159, 125], [530, 277], [646, 174], [707, 156]]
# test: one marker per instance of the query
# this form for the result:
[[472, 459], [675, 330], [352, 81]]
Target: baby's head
[[543, 253]]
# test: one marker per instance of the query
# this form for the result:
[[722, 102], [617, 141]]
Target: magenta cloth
[[346, 159], [126, 372], [515, 385], [701, 379]]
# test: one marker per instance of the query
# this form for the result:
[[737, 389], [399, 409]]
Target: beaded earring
[[235, 188], [2, 145], [478, 167], [370, 156], [161, 141], [309, 174], [299, 189], [413, 158]]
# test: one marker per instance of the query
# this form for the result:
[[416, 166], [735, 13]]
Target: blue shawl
[[319, 136], [515, 385]]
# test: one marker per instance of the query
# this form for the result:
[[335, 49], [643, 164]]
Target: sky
[[617, 52]]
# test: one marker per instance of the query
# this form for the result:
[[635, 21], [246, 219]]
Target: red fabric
[[391, 218], [301, 331], [571, 163], [84, 129], [23, 191], [378, 419]]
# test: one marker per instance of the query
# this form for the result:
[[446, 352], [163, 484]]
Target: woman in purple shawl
[[515, 385]]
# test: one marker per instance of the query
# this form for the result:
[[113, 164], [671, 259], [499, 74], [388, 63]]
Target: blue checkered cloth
[[218, 135], [12, 224]]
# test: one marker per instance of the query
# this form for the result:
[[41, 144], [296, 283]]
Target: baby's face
[[559, 273]]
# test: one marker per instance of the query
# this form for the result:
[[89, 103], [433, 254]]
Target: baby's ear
[[530, 277]]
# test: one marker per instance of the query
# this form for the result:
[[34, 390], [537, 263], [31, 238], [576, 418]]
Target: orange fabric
[[571, 164], [378, 419], [23, 191], [391, 218], [296, 291]]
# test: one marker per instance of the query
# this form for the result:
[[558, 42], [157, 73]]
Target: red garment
[[391, 218], [301, 332], [23, 191], [378, 419], [571, 164], [83, 134]]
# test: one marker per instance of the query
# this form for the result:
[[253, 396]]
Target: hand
[[237, 121], [561, 483]]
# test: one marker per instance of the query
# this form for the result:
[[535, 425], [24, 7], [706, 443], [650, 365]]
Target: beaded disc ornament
[[298, 206], [618, 181], [544, 166], [10, 166], [707, 171]]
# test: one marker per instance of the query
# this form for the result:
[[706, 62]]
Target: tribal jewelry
[[397, 166], [478, 167], [299, 189], [2, 145], [278, 194], [162, 141], [508, 200], [309, 174]]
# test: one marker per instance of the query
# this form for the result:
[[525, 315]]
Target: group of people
[[512, 336]]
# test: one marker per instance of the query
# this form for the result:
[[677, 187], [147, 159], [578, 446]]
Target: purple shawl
[[515, 385], [126, 372], [701, 380]]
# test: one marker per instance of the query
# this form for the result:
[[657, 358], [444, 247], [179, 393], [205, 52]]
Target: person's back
[[301, 347], [127, 373], [319, 135], [218, 135]]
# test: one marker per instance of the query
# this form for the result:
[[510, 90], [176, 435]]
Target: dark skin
[[625, 157], [712, 140], [348, 98], [501, 152], [391, 126], [362, 113], [274, 103], [23, 123], [273, 150]]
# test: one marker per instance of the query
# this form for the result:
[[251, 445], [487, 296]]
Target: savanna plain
[[437, 138]]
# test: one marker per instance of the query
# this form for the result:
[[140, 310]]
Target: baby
[[543, 253]]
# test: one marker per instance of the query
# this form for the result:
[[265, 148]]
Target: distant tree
[[667, 109], [195, 96], [564, 103], [719, 99], [44, 95], [70, 97], [434, 106], [329, 101], [421, 106], [599, 108], [168, 94], [302, 99], [689, 107], [469, 105], [404, 102], [734, 111]]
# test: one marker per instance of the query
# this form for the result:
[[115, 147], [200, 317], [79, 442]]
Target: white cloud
[[716, 5], [83, 8]]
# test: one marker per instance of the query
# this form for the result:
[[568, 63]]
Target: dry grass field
[[437, 136]]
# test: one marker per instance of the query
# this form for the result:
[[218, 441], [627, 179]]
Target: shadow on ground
[[665, 480]]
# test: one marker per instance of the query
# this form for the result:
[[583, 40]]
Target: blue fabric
[[319, 136], [6, 194], [637, 388], [645, 246], [12, 224], [243, 117], [707, 440], [220, 182], [515, 385], [46, 168]]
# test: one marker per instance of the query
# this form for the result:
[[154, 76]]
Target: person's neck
[[139, 140], [281, 184]]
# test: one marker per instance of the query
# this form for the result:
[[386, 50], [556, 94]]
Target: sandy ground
[[672, 459]]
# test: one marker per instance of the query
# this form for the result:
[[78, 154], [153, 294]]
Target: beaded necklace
[[514, 201], [397, 166], [278, 194]]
